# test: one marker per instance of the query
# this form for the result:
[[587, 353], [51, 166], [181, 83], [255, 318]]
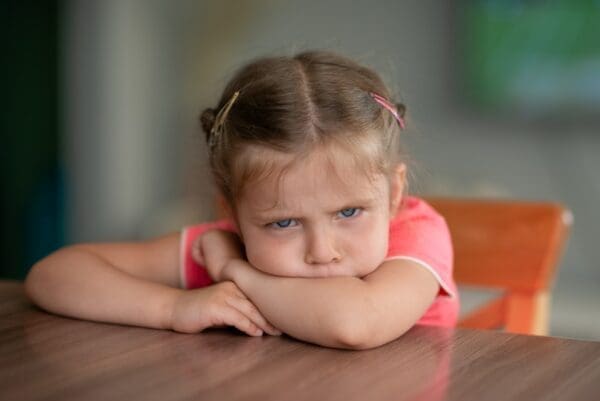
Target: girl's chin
[[320, 272]]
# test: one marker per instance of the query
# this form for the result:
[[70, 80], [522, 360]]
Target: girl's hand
[[221, 304], [215, 248]]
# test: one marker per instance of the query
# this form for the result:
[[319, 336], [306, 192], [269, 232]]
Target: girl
[[321, 244]]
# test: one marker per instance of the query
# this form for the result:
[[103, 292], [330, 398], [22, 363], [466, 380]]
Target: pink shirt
[[417, 233]]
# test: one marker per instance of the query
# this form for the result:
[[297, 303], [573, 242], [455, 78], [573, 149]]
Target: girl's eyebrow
[[356, 203], [275, 213], [360, 202]]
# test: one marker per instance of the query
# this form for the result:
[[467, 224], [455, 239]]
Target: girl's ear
[[223, 207], [397, 184], [226, 211]]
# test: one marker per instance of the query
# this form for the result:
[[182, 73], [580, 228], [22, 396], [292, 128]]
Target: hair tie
[[385, 103], [220, 119]]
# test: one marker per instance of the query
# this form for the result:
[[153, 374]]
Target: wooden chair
[[509, 245]]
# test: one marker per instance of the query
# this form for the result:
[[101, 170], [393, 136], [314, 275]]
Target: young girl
[[321, 243]]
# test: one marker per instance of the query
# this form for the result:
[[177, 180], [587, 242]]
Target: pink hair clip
[[385, 103]]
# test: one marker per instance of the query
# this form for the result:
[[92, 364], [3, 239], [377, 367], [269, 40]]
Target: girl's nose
[[321, 248]]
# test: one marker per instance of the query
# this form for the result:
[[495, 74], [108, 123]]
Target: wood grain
[[47, 357]]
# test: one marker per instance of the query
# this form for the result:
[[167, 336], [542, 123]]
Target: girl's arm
[[134, 283], [344, 312], [129, 283]]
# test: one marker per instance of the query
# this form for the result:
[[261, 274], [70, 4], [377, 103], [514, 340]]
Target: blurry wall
[[123, 119], [137, 73]]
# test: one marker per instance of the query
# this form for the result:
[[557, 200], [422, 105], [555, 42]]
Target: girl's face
[[315, 220]]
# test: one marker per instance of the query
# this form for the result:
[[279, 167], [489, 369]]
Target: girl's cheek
[[265, 254], [257, 252], [279, 257]]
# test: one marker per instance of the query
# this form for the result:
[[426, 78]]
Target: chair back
[[510, 245]]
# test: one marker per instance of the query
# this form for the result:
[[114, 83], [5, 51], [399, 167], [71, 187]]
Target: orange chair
[[509, 245]]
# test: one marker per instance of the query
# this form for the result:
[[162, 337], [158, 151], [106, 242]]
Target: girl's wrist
[[218, 248], [232, 266], [167, 305], [239, 271]]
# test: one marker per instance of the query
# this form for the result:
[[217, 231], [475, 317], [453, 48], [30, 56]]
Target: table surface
[[48, 357]]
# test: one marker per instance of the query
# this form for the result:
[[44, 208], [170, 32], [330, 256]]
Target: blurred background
[[100, 129]]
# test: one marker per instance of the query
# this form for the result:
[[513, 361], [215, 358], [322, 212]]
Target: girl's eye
[[284, 223], [349, 212]]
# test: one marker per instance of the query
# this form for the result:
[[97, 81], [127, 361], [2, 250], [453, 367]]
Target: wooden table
[[47, 357]]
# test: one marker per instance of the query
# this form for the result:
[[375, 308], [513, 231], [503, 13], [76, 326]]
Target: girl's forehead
[[339, 153], [329, 178], [256, 162]]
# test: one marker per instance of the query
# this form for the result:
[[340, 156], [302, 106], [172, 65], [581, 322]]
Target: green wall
[[32, 209]]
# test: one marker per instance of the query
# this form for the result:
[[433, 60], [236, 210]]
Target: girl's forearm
[[77, 283], [332, 311]]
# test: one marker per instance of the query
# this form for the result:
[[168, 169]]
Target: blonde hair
[[293, 104]]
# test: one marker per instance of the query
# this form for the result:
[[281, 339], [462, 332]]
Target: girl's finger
[[244, 305], [249, 310], [235, 318], [197, 251]]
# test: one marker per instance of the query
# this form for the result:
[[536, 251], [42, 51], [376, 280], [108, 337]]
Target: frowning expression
[[317, 219]]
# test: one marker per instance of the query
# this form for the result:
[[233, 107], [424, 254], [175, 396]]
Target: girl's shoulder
[[418, 221], [199, 228], [419, 233], [414, 209]]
